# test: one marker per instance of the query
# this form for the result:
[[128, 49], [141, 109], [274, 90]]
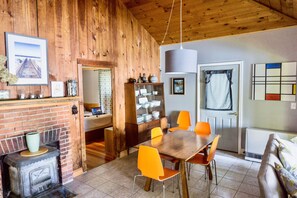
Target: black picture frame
[[178, 86]]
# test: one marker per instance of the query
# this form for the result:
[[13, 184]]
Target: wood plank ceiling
[[204, 19]]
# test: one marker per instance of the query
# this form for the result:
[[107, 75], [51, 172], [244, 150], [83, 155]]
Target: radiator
[[256, 139]]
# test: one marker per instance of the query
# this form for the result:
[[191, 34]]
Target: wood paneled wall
[[101, 30]]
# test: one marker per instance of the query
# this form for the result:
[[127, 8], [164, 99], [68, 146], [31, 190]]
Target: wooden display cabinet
[[142, 101]]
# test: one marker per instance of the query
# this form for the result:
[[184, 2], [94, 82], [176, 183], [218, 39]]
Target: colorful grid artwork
[[274, 81]]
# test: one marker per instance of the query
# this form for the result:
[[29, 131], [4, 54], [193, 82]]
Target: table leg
[[176, 166], [183, 176], [148, 183], [208, 166]]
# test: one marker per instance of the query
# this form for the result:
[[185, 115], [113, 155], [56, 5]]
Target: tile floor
[[236, 178]]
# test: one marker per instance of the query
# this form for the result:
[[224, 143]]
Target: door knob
[[233, 113]]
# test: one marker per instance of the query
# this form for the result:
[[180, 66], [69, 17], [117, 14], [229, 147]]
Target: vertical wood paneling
[[102, 30], [120, 71], [82, 28], [46, 22], [6, 18]]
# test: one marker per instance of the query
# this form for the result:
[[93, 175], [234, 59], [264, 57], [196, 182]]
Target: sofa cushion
[[288, 159], [287, 179], [290, 146]]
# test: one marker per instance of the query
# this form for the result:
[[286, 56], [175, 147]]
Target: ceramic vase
[[154, 79], [33, 141]]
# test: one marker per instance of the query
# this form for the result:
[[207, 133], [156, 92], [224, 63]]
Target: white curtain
[[218, 90]]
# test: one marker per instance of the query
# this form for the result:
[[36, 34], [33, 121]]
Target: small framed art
[[27, 59], [57, 88], [178, 86]]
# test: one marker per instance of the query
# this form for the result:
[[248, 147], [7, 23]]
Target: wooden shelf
[[17, 104]]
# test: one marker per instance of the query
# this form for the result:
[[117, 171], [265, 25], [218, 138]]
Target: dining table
[[181, 145]]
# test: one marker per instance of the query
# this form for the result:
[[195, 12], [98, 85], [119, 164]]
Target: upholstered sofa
[[270, 186]]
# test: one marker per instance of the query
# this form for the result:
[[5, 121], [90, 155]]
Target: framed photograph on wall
[[57, 88], [178, 86], [27, 59]]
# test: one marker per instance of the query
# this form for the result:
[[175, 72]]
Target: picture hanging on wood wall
[[27, 59], [57, 88]]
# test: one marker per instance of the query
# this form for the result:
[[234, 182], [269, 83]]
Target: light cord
[[181, 24], [172, 6]]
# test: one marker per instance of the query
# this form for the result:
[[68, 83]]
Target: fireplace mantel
[[18, 104]]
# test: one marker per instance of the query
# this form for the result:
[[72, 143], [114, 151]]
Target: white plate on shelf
[[142, 100], [143, 91]]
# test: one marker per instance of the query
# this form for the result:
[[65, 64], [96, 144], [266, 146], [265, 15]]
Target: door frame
[[240, 94], [100, 65]]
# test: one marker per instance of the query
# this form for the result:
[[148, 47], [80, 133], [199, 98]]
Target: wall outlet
[[293, 105]]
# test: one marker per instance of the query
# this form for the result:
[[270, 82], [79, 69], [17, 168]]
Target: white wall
[[262, 47], [91, 86]]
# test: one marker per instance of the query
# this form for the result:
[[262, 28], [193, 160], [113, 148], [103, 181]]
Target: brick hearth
[[53, 124]]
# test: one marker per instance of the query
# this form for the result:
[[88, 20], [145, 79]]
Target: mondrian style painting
[[274, 81]]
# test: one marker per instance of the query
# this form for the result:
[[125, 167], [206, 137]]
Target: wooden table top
[[180, 144]]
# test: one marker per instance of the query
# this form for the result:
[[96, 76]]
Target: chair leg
[[205, 172], [189, 169], [163, 190], [134, 182], [177, 181], [177, 178], [208, 180], [153, 185], [215, 166], [173, 185]]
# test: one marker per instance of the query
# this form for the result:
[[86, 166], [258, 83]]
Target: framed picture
[[178, 86], [27, 59], [57, 88]]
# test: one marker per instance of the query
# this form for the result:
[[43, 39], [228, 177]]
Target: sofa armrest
[[269, 183]]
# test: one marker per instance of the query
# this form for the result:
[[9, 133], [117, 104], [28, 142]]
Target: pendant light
[[180, 61]]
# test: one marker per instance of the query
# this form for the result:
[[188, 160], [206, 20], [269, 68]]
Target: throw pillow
[[288, 160], [287, 179], [290, 146]]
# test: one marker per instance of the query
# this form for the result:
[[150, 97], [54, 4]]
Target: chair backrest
[[213, 148], [155, 132], [149, 162], [202, 128], [184, 120]]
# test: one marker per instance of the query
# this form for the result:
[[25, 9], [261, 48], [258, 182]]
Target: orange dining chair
[[150, 165], [156, 133], [202, 128], [183, 121], [202, 160]]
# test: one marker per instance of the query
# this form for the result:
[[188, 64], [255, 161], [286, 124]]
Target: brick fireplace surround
[[53, 124]]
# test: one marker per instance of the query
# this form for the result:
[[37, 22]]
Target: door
[[218, 102]]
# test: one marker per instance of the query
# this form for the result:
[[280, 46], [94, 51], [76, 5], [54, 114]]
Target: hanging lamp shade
[[180, 61]]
